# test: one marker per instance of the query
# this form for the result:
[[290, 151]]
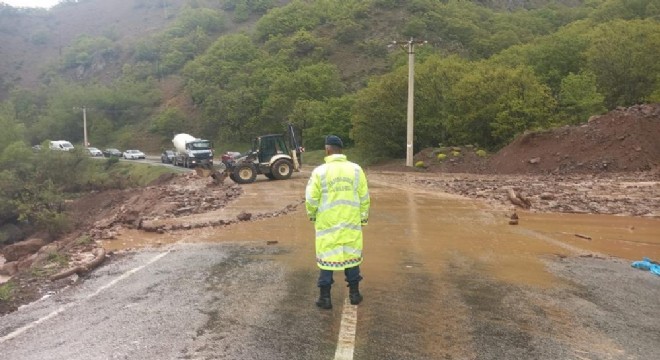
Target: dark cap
[[334, 140]]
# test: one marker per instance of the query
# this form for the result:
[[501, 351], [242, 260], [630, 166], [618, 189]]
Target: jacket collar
[[335, 157]]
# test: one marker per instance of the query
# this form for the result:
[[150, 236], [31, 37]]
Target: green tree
[[627, 9], [318, 119], [623, 56], [169, 122], [552, 57], [492, 104], [579, 99], [12, 130], [298, 15], [379, 117], [435, 79]]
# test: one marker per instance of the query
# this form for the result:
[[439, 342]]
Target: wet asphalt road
[[193, 301], [444, 279]]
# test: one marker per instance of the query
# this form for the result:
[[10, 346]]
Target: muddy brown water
[[430, 225]]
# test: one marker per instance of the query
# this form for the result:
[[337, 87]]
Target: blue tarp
[[647, 264]]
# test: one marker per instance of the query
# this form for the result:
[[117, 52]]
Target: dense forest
[[230, 70]]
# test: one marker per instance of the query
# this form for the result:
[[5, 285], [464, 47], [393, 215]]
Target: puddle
[[137, 239], [626, 237]]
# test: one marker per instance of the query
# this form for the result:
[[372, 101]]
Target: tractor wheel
[[282, 169], [245, 173], [270, 176]]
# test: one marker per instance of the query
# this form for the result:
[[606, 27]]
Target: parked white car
[[94, 152], [133, 154]]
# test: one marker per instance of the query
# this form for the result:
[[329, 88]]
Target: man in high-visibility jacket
[[337, 201]]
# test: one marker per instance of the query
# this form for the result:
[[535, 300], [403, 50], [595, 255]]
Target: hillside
[[32, 40], [229, 70]]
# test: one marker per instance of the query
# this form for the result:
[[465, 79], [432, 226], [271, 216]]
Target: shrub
[[6, 290], [419, 164], [111, 161], [57, 258], [441, 156], [481, 153], [84, 240], [456, 153]]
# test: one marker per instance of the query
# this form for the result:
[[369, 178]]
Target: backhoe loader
[[276, 156]]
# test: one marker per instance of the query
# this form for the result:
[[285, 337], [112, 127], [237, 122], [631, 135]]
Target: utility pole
[[409, 46], [85, 126], [84, 109]]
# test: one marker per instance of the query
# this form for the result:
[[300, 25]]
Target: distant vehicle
[[167, 157], [61, 145], [134, 154], [94, 151], [110, 152], [192, 151], [276, 156]]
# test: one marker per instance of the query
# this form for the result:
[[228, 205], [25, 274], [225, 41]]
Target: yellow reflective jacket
[[337, 197]]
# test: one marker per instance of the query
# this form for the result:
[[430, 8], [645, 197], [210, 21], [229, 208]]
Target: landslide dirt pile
[[171, 196], [623, 140]]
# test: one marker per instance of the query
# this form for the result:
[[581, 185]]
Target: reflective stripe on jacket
[[337, 196]]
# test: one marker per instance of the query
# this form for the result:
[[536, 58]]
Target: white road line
[[123, 276], [346, 340]]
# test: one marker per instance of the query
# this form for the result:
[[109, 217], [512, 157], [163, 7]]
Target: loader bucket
[[218, 176]]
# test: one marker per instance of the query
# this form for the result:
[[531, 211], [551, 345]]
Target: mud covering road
[[445, 278]]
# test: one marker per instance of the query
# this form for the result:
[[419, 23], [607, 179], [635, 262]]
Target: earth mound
[[623, 140]]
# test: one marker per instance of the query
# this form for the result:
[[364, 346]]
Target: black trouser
[[352, 276]]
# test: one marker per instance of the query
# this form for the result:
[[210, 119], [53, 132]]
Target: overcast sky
[[31, 3]]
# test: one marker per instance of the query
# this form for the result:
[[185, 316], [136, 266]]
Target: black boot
[[324, 301], [354, 294]]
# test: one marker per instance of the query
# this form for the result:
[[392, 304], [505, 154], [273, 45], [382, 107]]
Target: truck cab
[[191, 151]]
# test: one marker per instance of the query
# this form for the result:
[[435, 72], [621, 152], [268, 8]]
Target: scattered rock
[[535, 160], [547, 196], [21, 249], [244, 216], [9, 268]]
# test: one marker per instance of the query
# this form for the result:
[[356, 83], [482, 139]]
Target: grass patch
[[6, 290], [141, 174], [84, 240], [57, 258]]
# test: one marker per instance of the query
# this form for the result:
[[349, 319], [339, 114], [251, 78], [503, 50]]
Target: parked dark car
[[167, 156], [112, 152]]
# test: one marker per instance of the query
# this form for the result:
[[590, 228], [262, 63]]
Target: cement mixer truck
[[191, 151]]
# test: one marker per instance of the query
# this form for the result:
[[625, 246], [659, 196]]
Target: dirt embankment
[[623, 140]]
